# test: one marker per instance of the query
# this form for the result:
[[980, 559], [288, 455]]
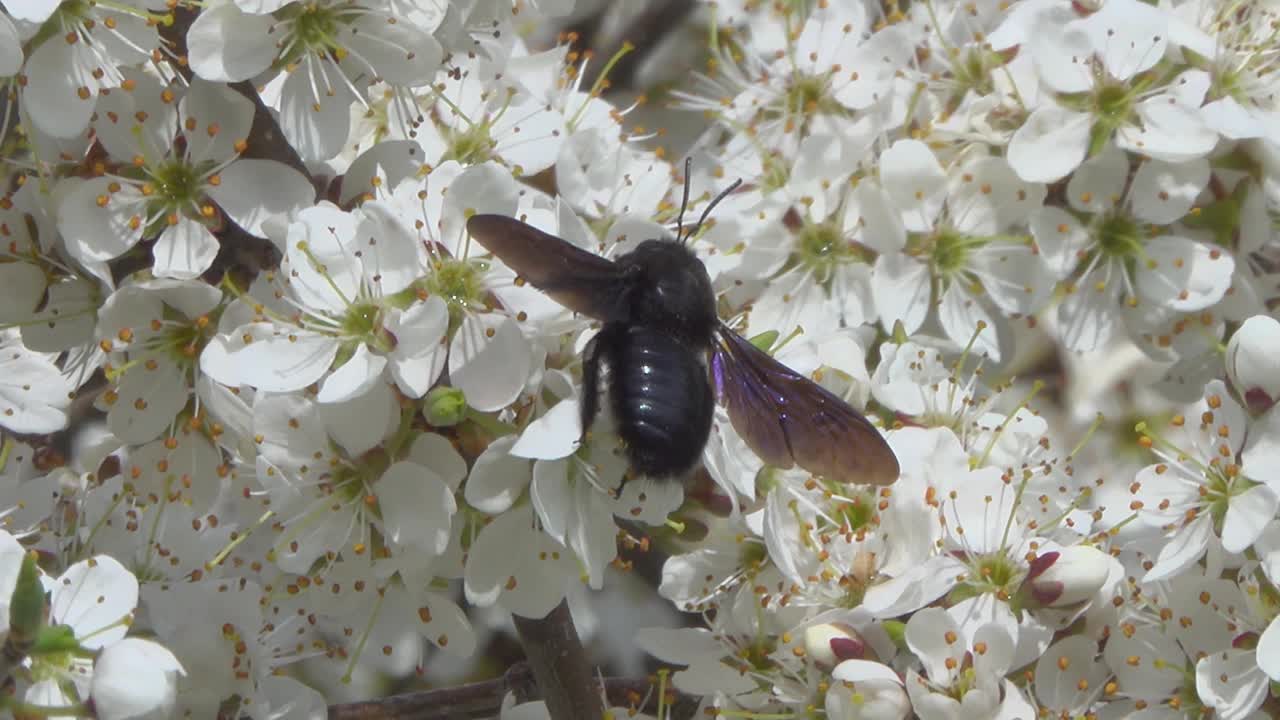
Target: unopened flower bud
[[830, 644], [876, 693], [1253, 362], [1070, 578], [445, 406], [26, 607]]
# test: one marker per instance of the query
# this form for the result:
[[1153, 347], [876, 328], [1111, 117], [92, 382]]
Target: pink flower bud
[[829, 644], [1073, 576], [1253, 362]]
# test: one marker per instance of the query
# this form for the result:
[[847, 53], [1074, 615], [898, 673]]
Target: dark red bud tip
[[1047, 593], [848, 648], [1258, 400], [1246, 641], [1042, 563]]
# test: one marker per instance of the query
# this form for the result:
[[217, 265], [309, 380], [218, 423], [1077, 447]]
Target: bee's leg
[[592, 356]]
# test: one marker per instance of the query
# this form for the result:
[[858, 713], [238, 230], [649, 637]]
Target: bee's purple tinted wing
[[581, 281], [789, 419]]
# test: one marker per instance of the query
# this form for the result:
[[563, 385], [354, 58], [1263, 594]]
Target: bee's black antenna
[[714, 201], [688, 169]]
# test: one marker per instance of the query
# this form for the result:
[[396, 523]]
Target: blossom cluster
[[266, 404]]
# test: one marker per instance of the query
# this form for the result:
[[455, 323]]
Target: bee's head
[[669, 287], [670, 290]]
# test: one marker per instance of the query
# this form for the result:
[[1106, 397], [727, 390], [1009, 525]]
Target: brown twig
[[565, 678], [643, 30], [483, 700], [239, 250]]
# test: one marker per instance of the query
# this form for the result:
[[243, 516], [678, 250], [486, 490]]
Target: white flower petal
[[417, 507], [1247, 515], [263, 357], [592, 533], [552, 496], [1050, 144], [490, 370], [552, 436], [23, 285], [871, 213], [363, 421], [1186, 547], [34, 394], [315, 120], [1168, 130], [902, 290], [1060, 238], [1129, 35], [93, 597], [878, 59], [927, 634], [227, 45], [281, 697], [215, 119], [914, 180], [356, 376], [1061, 51], [252, 190], [1229, 118], [1253, 357], [400, 52], [420, 353], [436, 452], [1268, 650], [1163, 192], [184, 250], [135, 678], [1098, 184], [60, 89], [1229, 682], [1184, 275], [497, 479], [960, 314], [10, 48], [1088, 316], [148, 401], [1068, 673], [96, 223], [446, 625]]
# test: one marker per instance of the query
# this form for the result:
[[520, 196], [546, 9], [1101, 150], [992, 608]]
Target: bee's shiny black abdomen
[[660, 397]]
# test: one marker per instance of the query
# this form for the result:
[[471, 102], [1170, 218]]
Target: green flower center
[[1118, 236], [775, 174], [51, 665], [458, 283], [991, 573], [1113, 104], [362, 319], [182, 340], [947, 251], [974, 71], [472, 145], [859, 513], [312, 28], [752, 555], [951, 251], [807, 94], [822, 247], [172, 188]]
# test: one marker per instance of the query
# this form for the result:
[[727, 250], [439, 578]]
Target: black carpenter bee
[[658, 311]]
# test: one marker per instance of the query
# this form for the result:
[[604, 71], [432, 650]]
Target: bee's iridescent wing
[[790, 420], [581, 281]]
